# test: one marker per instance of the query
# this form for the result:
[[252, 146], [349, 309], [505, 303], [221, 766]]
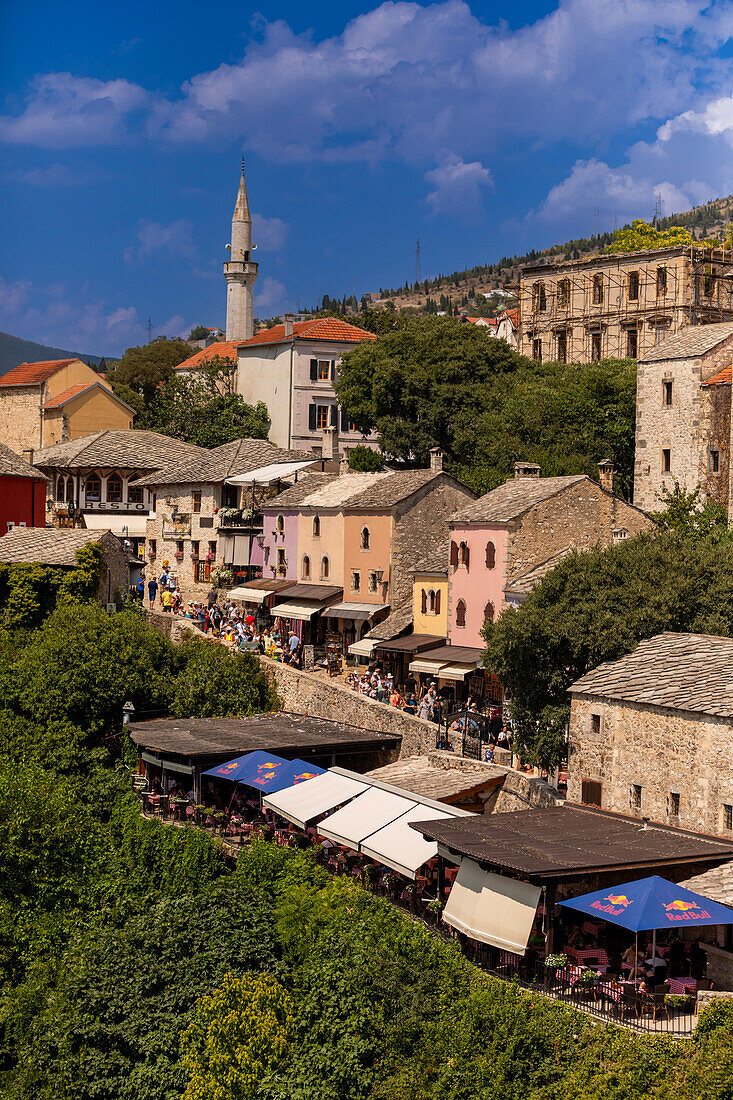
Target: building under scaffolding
[[621, 305]]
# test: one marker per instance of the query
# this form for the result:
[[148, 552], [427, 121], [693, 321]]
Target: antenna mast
[[149, 327], [417, 261]]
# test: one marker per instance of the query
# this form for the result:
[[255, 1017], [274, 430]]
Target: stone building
[[202, 520], [509, 538], [55, 400], [57, 548], [652, 733], [620, 304], [683, 415], [95, 474]]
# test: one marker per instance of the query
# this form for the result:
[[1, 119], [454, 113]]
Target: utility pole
[[149, 327], [417, 261], [598, 223]]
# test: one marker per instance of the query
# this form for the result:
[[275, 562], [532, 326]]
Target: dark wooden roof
[[566, 842], [460, 654], [313, 592], [410, 643], [281, 732], [269, 585]]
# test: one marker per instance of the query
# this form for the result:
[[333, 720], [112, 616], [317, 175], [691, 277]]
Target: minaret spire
[[240, 272]]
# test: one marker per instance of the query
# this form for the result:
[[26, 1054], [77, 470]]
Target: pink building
[[506, 541]]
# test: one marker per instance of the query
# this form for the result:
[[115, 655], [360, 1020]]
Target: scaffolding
[[621, 305]]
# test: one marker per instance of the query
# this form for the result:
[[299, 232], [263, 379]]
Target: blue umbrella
[[265, 771], [651, 903]]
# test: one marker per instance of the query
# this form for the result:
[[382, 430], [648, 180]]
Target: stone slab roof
[[370, 491], [435, 563], [690, 343], [716, 883], [128, 450], [46, 545], [692, 672], [393, 489], [12, 465], [213, 467], [523, 585], [297, 494], [420, 775], [514, 498], [396, 623]]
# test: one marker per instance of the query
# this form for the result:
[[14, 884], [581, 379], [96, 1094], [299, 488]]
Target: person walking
[[427, 705], [167, 599], [152, 591]]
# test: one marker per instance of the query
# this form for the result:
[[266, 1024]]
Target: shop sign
[[178, 528]]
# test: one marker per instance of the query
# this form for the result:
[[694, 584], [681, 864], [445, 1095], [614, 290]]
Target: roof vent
[[527, 469]]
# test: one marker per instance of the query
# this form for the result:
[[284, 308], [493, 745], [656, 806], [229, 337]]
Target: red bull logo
[[305, 775], [614, 904], [617, 899], [268, 766], [681, 906], [685, 910]]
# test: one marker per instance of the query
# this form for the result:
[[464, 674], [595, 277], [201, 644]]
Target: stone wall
[[582, 516], [20, 418], [715, 428], [663, 752], [204, 530], [522, 792], [421, 525]]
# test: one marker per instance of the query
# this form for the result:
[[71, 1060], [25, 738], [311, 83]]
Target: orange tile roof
[[320, 328], [30, 374], [722, 378], [224, 349], [73, 391]]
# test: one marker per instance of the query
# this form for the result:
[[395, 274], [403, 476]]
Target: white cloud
[[457, 187], [174, 239], [73, 318], [55, 175], [269, 233], [66, 110], [270, 296]]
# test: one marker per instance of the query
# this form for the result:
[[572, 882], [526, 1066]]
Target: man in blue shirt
[[152, 590]]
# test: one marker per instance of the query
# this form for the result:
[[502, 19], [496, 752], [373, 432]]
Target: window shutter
[[333, 416], [424, 600], [314, 370], [466, 557], [437, 602], [312, 418], [490, 555], [454, 553]]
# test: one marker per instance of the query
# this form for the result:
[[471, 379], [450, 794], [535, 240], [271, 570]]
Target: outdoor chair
[[654, 1004]]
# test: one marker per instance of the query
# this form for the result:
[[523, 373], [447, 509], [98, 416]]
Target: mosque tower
[[240, 272]]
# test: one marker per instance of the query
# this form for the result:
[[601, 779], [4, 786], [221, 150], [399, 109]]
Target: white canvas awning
[[401, 847], [422, 664], [456, 672], [306, 801], [274, 472], [135, 523], [297, 609], [362, 648], [363, 816], [358, 611], [492, 908], [248, 595]]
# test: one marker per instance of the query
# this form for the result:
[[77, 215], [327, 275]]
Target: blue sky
[[480, 131]]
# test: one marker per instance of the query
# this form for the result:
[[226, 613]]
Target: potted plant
[[434, 909], [680, 1001], [178, 555], [556, 961], [589, 978]]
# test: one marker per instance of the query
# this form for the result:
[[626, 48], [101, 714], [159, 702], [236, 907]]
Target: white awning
[[248, 595], [422, 664], [401, 847], [362, 648], [365, 815], [306, 801], [358, 611], [267, 474], [297, 609], [492, 908], [134, 522], [456, 672]]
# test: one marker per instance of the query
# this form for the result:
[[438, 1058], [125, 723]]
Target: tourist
[[167, 599], [410, 706], [141, 587], [426, 709], [152, 590], [211, 598]]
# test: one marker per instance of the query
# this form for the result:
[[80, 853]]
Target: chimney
[[436, 458], [605, 474], [527, 469], [28, 455], [330, 445], [288, 319]]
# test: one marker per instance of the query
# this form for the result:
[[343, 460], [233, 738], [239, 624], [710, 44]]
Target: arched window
[[423, 601], [437, 602], [114, 489], [431, 601], [490, 555], [365, 538], [454, 554], [463, 554], [316, 527], [281, 525], [324, 568], [69, 489], [60, 487], [489, 612], [93, 490], [306, 567], [461, 613]]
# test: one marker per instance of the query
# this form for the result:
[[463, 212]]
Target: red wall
[[17, 502]]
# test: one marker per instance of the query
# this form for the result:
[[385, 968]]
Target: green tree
[[198, 332], [640, 235], [137, 376], [686, 514], [239, 1036], [365, 458], [597, 606], [213, 683]]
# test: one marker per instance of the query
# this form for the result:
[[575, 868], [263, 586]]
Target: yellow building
[[430, 595], [54, 401]]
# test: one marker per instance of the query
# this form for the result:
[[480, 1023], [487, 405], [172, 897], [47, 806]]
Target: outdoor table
[[683, 985], [180, 805]]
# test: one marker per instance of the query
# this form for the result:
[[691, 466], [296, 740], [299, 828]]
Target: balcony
[[238, 518]]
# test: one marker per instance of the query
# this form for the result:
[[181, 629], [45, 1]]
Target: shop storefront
[[299, 611], [455, 669], [349, 621], [395, 655]]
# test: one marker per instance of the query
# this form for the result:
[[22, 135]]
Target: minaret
[[240, 272]]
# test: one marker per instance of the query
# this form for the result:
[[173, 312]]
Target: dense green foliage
[[364, 458], [29, 592], [430, 381], [137, 965], [137, 376], [596, 606]]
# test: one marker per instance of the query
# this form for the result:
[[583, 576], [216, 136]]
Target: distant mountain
[[13, 351]]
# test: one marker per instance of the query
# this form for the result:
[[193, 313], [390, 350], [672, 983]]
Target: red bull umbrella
[[651, 903], [265, 771]]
